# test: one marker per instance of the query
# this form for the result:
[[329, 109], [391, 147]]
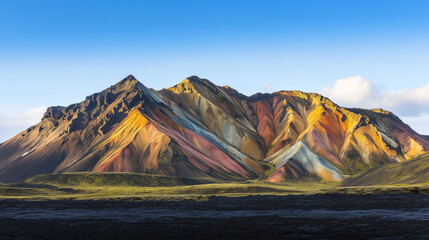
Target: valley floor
[[317, 216], [141, 206]]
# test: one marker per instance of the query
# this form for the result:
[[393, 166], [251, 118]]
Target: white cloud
[[411, 105], [12, 124], [349, 91]]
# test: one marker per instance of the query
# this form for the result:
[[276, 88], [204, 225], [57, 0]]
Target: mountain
[[415, 171], [196, 129]]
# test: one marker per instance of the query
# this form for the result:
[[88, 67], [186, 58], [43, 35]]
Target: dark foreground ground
[[333, 216]]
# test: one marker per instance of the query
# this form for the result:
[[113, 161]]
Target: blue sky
[[58, 52]]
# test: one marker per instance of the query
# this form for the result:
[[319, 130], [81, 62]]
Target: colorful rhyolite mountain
[[199, 130]]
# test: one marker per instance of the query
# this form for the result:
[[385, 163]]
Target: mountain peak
[[130, 77], [199, 81], [127, 79], [194, 78], [192, 84], [128, 82]]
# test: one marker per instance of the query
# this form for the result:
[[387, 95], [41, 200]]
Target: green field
[[136, 187], [86, 179]]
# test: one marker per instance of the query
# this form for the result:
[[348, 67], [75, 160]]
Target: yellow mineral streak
[[131, 124], [369, 142], [185, 86], [382, 111], [124, 134], [139, 137], [415, 149]]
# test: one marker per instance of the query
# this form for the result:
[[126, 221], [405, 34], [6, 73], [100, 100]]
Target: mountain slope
[[298, 162], [415, 171], [199, 130], [66, 134]]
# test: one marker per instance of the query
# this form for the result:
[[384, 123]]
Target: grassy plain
[[136, 187]]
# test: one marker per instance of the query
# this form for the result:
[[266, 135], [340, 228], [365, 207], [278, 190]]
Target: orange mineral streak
[[277, 176], [370, 143], [288, 124], [135, 142], [265, 115], [327, 176]]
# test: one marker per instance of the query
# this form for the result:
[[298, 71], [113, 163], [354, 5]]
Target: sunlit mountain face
[[199, 130]]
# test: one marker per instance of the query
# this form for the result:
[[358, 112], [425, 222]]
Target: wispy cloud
[[412, 105], [12, 124], [30, 117], [265, 87]]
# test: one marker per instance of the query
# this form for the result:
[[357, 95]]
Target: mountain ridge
[[198, 129]]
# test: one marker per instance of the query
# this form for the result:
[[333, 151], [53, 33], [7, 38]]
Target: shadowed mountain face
[[199, 130]]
